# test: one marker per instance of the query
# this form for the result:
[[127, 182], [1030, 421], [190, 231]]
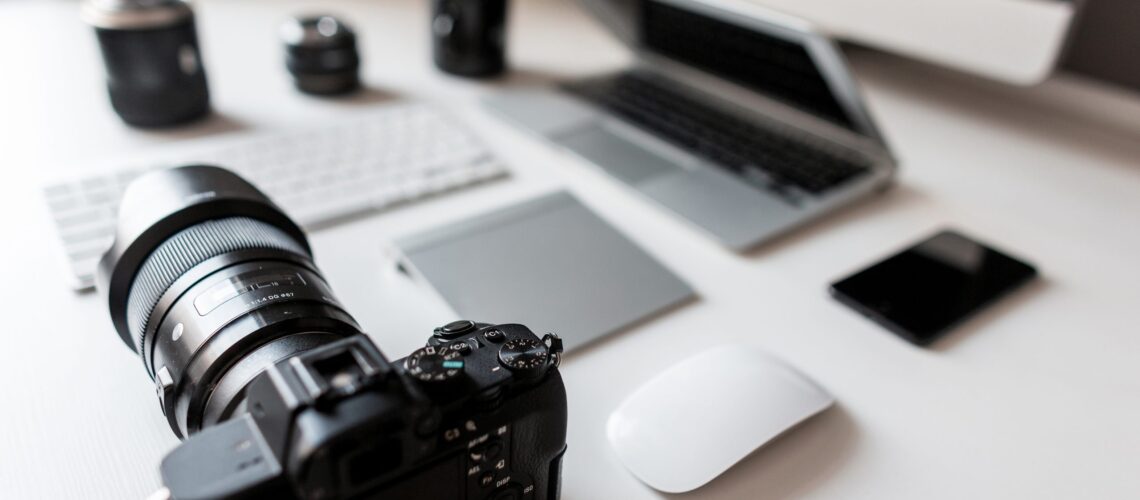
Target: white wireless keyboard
[[397, 153]]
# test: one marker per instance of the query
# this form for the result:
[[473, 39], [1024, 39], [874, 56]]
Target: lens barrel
[[211, 283]]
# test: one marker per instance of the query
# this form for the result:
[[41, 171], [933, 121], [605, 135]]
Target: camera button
[[495, 335], [455, 329], [487, 479], [493, 450], [509, 493], [461, 347], [487, 452]]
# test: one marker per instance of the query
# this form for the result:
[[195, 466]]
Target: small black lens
[[211, 283]]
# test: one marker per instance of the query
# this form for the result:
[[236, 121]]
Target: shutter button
[[454, 329]]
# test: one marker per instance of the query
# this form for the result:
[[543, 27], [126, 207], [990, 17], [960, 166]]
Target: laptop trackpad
[[620, 157], [735, 213]]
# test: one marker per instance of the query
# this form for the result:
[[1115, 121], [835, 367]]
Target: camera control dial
[[435, 364], [530, 357]]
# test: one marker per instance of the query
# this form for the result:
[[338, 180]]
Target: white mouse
[[694, 421]]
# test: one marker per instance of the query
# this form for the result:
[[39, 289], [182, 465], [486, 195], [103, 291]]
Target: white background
[[1036, 398]]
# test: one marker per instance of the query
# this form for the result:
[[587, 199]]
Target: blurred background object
[[1014, 41], [154, 67], [468, 36], [1106, 42], [320, 53]]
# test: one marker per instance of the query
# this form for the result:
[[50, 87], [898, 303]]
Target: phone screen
[[924, 290]]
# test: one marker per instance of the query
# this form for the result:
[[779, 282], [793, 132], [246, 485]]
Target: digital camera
[[276, 391]]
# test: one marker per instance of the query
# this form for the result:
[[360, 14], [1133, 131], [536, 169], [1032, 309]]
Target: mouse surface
[[692, 422]]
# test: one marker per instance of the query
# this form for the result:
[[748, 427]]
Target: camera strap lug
[[554, 347]]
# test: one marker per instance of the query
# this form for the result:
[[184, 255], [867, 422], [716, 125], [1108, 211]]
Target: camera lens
[[468, 36], [320, 53], [211, 283], [155, 76]]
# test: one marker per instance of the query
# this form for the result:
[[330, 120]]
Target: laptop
[[742, 121]]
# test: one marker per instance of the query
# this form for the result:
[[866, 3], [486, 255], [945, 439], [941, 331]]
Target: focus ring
[[190, 247]]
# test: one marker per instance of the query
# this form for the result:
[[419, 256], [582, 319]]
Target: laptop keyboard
[[782, 161]]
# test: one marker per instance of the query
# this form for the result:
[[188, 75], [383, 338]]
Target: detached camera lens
[[211, 283], [320, 53], [155, 76]]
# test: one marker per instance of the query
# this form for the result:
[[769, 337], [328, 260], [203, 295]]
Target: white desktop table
[[1038, 398]]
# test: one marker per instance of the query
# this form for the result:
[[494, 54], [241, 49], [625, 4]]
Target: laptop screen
[[773, 66]]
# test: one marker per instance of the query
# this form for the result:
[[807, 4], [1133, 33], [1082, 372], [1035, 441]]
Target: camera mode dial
[[435, 364]]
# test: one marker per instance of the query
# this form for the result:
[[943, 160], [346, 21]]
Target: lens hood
[[158, 205]]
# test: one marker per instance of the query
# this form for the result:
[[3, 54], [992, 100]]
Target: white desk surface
[[1038, 398]]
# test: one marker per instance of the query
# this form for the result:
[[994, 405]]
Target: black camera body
[[274, 387], [480, 413]]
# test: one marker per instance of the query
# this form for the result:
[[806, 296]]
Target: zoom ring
[[190, 247]]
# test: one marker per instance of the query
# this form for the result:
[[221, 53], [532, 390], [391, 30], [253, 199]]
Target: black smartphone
[[923, 291]]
